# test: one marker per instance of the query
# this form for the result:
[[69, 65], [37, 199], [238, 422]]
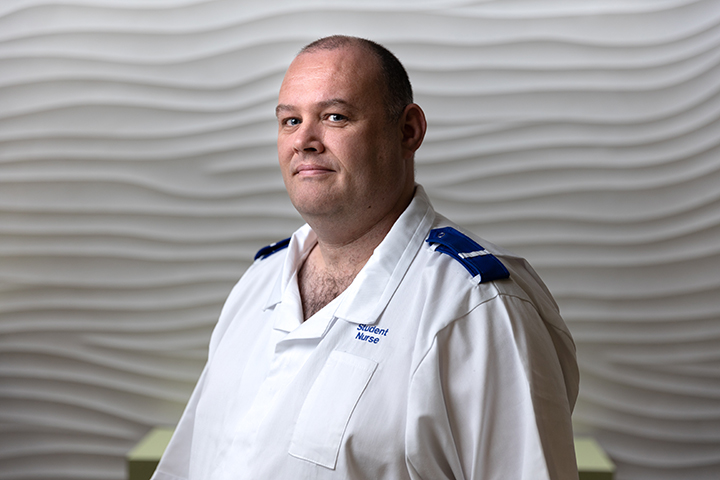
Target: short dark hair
[[398, 91]]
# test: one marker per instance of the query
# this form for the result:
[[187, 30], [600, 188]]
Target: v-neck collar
[[371, 290]]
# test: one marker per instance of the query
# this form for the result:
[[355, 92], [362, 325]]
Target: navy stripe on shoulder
[[265, 252], [482, 265]]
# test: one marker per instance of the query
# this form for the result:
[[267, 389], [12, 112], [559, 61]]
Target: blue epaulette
[[265, 252], [482, 265]]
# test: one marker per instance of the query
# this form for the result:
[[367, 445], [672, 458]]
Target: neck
[[336, 260], [346, 245]]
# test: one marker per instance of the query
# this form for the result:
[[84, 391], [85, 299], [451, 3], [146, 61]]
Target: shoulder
[[462, 267], [509, 273], [271, 249], [479, 262], [260, 277], [252, 291]]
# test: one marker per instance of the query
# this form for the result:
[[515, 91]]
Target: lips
[[310, 169]]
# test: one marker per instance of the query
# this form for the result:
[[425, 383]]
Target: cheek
[[283, 142], [285, 152]]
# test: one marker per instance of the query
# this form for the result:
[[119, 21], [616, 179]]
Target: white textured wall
[[138, 177]]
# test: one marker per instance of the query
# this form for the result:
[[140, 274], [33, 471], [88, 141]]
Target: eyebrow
[[325, 104]]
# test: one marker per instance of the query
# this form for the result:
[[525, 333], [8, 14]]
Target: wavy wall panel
[[137, 178]]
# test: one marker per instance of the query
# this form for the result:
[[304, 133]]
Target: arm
[[488, 400]]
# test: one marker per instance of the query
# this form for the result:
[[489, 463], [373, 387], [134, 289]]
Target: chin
[[315, 211], [314, 201], [312, 207]]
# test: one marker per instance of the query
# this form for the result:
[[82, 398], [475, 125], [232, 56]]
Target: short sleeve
[[488, 400]]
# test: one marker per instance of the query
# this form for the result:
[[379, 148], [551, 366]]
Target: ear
[[412, 126]]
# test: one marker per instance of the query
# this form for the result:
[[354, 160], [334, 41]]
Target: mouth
[[311, 170]]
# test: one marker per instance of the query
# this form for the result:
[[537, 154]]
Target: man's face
[[339, 154]]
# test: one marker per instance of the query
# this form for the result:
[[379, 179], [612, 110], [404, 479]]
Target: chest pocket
[[327, 408]]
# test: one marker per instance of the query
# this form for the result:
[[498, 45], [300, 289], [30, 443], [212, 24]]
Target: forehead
[[322, 74]]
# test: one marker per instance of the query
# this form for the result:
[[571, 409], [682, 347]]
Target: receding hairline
[[340, 42], [336, 42]]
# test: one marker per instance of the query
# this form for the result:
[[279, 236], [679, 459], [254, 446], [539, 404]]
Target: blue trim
[[265, 252], [476, 260]]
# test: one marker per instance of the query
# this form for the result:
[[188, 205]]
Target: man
[[378, 342]]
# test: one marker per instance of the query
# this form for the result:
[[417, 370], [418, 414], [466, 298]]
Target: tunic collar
[[368, 295]]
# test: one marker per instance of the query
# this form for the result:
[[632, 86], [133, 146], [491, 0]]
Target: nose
[[308, 138]]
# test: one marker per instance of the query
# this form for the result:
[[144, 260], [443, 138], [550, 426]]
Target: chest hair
[[318, 288]]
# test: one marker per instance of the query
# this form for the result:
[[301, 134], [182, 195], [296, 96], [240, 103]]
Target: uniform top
[[415, 371]]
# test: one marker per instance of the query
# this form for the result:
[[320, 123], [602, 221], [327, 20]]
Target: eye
[[336, 117], [291, 122]]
